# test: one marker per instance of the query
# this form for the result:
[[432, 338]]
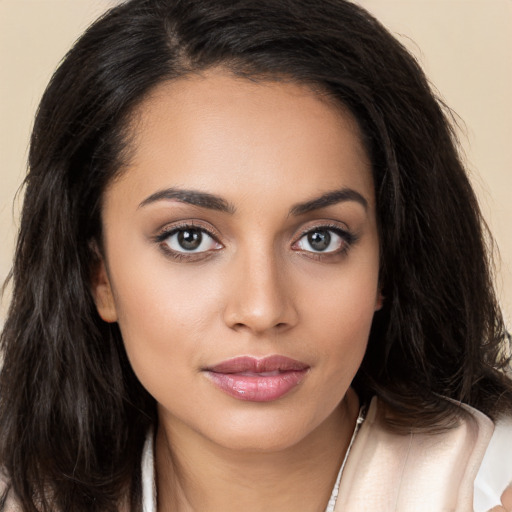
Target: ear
[[102, 293], [379, 302]]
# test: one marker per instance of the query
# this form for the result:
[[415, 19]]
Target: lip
[[257, 379]]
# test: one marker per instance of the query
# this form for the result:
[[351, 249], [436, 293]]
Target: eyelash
[[162, 238], [348, 238]]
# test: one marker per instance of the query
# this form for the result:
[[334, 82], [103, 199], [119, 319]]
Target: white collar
[[148, 476], [495, 471], [149, 482]]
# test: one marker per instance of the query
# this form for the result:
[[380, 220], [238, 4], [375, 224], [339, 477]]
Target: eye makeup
[[192, 241], [326, 241], [188, 241]]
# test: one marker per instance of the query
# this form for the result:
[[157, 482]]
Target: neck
[[195, 474]]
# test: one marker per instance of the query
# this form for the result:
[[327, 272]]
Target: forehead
[[230, 135]]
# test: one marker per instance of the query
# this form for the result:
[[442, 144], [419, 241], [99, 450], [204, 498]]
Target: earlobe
[[379, 301], [102, 293]]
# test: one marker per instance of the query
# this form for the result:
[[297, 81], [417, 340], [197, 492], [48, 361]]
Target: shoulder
[[495, 473], [8, 501], [417, 471]]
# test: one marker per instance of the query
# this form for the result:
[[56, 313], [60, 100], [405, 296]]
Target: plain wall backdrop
[[465, 47]]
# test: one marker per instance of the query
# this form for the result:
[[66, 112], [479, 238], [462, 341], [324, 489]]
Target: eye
[[324, 240], [189, 240]]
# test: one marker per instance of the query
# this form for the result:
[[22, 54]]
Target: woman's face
[[242, 257]]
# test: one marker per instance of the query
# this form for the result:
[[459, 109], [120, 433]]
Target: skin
[[258, 288]]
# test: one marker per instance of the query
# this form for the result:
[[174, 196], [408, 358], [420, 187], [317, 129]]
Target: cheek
[[340, 321], [154, 293], [163, 313]]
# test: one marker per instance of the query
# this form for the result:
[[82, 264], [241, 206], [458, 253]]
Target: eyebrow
[[194, 197], [329, 199], [213, 202]]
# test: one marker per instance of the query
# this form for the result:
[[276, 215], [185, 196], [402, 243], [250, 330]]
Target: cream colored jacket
[[465, 469], [389, 472]]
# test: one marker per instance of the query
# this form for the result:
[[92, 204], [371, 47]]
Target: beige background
[[464, 45]]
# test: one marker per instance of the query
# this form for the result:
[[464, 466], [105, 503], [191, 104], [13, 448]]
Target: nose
[[260, 296]]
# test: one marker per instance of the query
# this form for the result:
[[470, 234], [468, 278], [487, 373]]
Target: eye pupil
[[190, 239], [319, 240]]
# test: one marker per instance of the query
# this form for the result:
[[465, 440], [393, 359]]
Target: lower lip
[[256, 388]]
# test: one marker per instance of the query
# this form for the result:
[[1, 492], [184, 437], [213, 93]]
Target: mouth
[[257, 380]]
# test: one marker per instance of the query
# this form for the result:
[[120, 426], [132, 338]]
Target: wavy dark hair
[[73, 416]]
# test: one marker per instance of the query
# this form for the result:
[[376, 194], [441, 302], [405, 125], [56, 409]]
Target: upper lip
[[258, 365]]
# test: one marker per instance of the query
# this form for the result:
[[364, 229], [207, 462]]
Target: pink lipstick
[[257, 380]]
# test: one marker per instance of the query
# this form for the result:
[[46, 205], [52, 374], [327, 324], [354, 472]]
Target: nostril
[[241, 325]]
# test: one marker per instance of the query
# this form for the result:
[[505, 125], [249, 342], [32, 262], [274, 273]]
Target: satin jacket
[[391, 472]]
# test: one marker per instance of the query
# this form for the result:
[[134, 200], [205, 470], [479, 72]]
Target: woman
[[251, 274]]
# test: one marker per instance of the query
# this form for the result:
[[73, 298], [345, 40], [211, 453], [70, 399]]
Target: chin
[[263, 434], [260, 442]]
